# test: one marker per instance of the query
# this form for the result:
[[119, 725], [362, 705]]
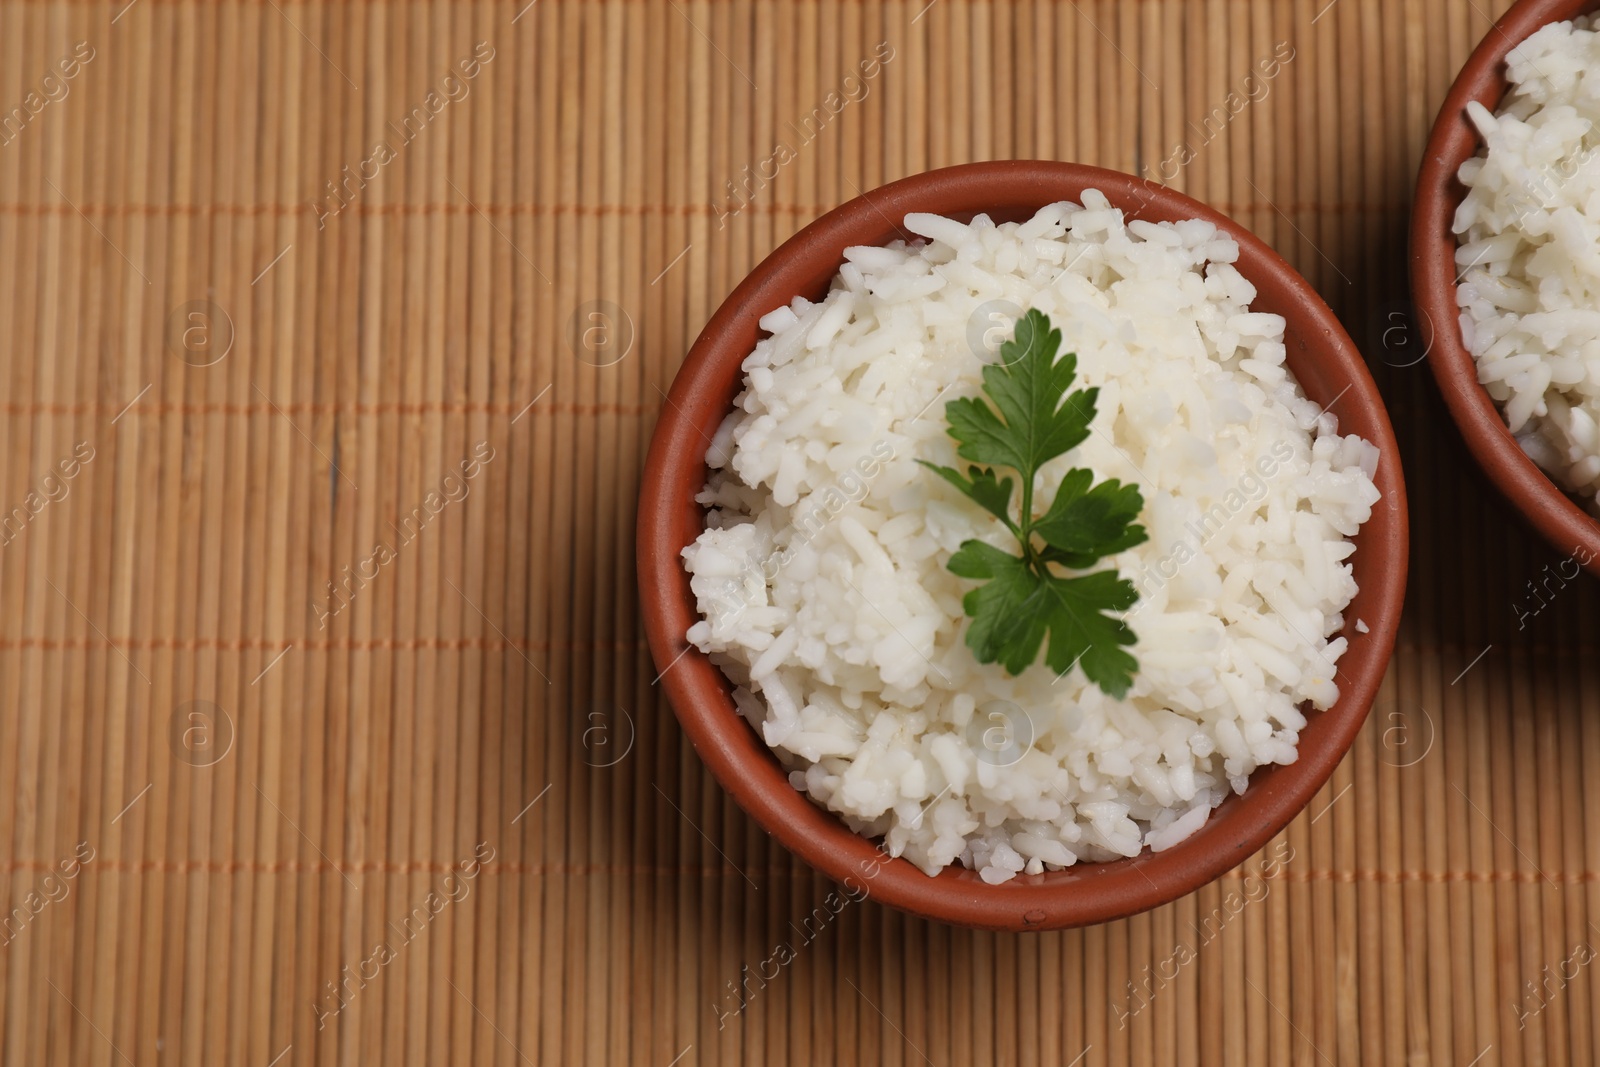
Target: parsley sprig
[[1024, 597]]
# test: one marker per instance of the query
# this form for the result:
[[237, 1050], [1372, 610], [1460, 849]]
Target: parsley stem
[[1025, 527]]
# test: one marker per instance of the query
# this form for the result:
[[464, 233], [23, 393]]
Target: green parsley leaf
[[1092, 522], [1082, 633], [1027, 386], [1032, 421], [1002, 626], [1012, 613], [993, 496]]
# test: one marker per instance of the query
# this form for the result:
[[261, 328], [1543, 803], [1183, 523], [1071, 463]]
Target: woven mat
[[334, 335]]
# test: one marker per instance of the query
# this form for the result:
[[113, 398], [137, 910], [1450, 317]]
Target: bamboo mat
[[385, 294]]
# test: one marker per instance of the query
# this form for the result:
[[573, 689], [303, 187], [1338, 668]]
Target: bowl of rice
[[1505, 265], [819, 646]]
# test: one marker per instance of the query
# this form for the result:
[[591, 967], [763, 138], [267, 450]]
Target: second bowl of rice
[[1503, 266]]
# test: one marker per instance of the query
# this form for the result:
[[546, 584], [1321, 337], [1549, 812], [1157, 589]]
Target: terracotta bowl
[[1322, 358], [1433, 282]]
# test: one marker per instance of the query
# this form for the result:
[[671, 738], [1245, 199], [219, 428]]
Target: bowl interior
[[1320, 355], [1454, 140]]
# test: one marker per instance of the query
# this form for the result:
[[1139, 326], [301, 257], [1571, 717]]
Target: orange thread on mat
[[314, 644], [525, 208], [543, 409], [1287, 874], [721, 207], [393, 867], [640, 869]]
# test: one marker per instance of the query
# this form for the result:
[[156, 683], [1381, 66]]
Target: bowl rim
[[1452, 141], [668, 519]]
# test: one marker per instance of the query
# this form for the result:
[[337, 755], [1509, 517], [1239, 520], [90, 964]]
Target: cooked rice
[[1529, 254], [821, 575]]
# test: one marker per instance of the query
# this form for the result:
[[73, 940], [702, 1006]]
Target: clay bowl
[[1329, 369], [1433, 283]]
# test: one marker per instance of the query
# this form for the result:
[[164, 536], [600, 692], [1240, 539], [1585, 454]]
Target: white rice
[[821, 574], [1529, 231]]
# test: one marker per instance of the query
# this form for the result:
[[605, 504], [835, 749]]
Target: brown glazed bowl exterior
[[1321, 356], [1433, 283]]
